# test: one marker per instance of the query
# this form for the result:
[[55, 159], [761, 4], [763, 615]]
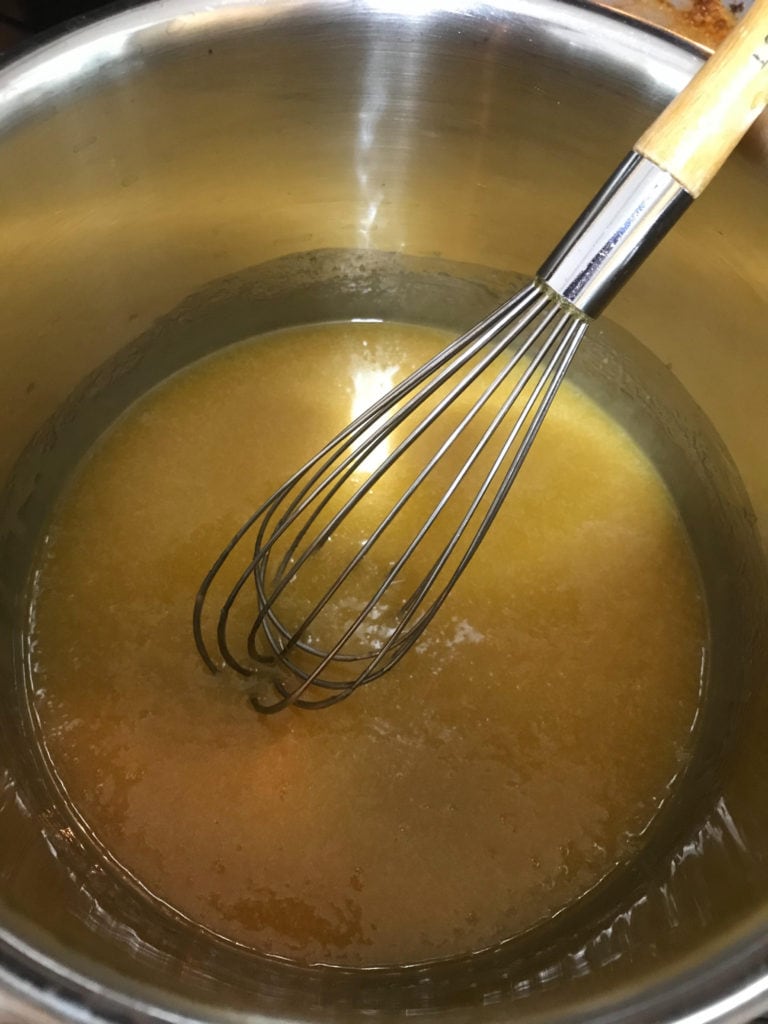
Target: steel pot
[[160, 149]]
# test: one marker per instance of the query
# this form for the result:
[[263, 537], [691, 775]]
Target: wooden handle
[[693, 137]]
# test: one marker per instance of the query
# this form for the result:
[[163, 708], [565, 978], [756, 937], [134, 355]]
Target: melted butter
[[490, 780]]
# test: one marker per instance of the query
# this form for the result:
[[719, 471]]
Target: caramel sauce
[[490, 780]]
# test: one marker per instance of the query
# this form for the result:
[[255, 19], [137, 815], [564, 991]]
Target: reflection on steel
[[632, 213]]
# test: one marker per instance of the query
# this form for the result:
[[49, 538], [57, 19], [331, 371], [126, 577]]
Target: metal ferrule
[[624, 222]]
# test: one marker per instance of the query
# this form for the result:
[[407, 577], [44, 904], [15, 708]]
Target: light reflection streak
[[370, 384]]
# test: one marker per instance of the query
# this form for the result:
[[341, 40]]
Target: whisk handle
[[694, 135], [670, 165]]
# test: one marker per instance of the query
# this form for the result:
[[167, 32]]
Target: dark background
[[21, 18]]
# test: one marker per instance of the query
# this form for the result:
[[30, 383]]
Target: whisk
[[345, 566]]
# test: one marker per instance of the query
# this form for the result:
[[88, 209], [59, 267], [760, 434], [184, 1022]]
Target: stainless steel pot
[[150, 153]]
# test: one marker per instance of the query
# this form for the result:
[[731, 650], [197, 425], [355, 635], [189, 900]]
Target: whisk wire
[[533, 332], [302, 516], [530, 301], [401, 640], [282, 577], [563, 354], [471, 343]]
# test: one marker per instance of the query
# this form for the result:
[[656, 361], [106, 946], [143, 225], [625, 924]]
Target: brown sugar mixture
[[498, 773]]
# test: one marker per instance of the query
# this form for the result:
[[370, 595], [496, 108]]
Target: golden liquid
[[491, 779]]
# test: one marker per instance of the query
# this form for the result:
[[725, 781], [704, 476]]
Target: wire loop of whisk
[[493, 384]]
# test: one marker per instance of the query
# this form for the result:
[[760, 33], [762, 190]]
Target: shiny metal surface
[[177, 144], [616, 233]]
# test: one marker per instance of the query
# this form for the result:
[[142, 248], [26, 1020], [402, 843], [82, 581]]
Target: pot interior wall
[[172, 161]]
